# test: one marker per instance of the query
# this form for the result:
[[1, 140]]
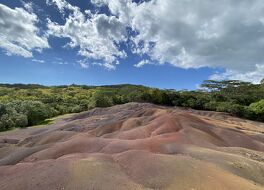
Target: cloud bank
[[183, 33]]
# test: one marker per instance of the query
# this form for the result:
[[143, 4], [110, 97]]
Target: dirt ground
[[135, 146]]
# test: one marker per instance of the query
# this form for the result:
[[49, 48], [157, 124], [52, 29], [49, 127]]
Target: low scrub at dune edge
[[27, 105], [136, 146]]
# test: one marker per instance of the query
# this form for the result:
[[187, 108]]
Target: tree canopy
[[25, 105]]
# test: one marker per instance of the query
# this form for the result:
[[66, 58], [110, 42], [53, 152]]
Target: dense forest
[[26, 105]]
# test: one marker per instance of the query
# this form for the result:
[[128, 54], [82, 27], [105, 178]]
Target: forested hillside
[[26, 105]]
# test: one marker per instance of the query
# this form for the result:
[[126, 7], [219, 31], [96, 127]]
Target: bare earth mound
[[136, 146]]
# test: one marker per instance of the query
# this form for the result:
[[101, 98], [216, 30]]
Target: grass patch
[[52, 120]]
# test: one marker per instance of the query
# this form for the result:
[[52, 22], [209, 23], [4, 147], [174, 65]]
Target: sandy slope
[[136, 146]]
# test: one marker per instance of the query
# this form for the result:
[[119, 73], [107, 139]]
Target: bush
[[228, 107], [6, 122], [212, 106], [76, 109], [258, 109], [36, 111], [24, 113], [21, 120], [101, 100]]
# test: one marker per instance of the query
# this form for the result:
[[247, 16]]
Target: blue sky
[[152, 43]]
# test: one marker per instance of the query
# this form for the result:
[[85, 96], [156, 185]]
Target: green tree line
[[26, 105]]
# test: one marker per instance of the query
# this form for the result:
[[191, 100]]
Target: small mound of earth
[[136, 146]]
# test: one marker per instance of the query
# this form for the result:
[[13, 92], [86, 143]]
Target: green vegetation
[[26, 105]]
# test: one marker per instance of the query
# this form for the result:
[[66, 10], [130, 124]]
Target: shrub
[[258, 109], [36, 111], [21, 120], [228, 107], [212, 106]]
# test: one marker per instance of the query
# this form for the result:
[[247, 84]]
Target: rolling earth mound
[[135, 146]]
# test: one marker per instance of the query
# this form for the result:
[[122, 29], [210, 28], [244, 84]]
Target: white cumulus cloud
[[142, 63], [38, 60], [97, 36], [254, 76], [19, 34]]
